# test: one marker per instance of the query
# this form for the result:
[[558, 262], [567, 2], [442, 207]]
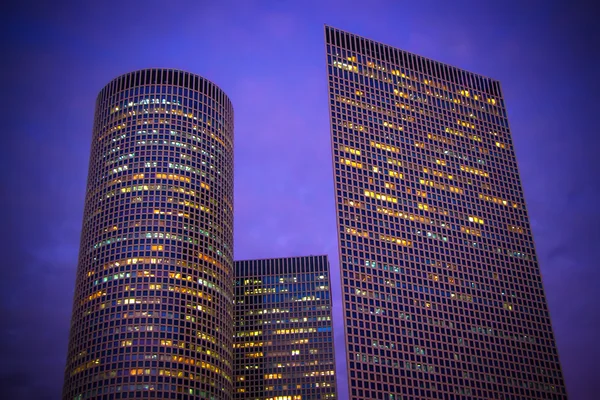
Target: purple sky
[[268, 56]]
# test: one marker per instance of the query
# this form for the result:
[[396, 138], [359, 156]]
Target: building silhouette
[[442, 292], [283, 341], [153, 305]]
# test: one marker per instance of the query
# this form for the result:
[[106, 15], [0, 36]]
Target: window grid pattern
[[153, 304], [283, 345], [442, 292]]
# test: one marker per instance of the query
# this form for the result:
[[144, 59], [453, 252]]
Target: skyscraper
[[153, 305], [442, 293], [283, 330]]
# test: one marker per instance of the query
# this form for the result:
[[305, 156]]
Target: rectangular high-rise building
[[283, 344], [442, 292]]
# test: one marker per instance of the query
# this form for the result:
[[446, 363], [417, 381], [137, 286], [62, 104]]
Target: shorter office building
[[283, 345]]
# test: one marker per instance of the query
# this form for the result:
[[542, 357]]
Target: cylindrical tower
[[152, 311]]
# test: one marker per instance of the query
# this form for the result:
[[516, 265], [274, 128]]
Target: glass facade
[[283, 345], [442, 292], [153, 305]]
